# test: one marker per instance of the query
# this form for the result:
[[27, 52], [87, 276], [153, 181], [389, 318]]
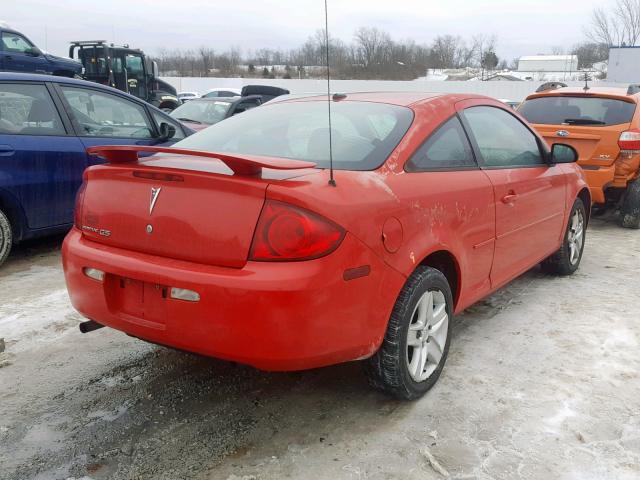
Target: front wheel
[[415, 346], [6, 237], [567, 259]]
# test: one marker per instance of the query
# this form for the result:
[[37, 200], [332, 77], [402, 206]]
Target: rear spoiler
[[241, 164]]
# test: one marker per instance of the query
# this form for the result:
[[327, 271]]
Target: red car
[[236, 244]]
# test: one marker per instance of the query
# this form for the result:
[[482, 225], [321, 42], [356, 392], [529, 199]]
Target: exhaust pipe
[[89, 326]]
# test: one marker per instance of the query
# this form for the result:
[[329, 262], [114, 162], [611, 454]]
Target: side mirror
[[33, 51], [154, 69], [563, 153], [167, 132]]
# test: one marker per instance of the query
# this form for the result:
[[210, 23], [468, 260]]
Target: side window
[[15, 43], [159, 118], [502, 139], [244, 106], [27, 109], [447, 148], [104, 115]]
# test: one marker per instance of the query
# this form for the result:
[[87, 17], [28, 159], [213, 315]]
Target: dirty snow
[[542, 382]]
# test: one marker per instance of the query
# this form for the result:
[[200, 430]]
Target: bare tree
[[627, 12], [618, 26], [207, 56], [589, 53], [373, 46]]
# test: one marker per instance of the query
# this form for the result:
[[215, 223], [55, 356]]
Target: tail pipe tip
[[89, 326]]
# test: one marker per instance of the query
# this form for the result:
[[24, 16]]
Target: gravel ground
[[542, 382]]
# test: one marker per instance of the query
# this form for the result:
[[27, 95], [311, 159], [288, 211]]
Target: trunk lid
[[595, 145], [184, 208]]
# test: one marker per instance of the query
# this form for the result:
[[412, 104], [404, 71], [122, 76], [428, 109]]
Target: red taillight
[[630, 140], [77, 212], [288, 233]]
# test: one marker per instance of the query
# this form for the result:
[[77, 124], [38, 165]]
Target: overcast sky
[[523, 27]]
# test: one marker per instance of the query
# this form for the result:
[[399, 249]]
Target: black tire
[[630, 211], [6, 237], [561, 263], [388, 369]]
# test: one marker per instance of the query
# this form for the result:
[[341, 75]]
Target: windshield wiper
[[190, 120], [582, 121]]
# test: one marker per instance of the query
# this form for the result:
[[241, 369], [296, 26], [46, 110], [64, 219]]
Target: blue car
[[19, 54], [46, 124]]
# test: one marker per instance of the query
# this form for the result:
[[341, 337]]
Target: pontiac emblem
[[155, 192], [562, 133]]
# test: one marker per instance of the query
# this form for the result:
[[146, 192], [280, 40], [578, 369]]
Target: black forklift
[[124, 68]]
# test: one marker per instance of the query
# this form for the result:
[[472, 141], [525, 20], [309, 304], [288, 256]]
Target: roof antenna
[[332, 181]]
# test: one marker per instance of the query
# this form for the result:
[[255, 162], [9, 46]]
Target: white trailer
[[624, 65]]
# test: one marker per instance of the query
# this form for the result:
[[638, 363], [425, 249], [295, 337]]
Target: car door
[[20, 55], [453, 201], [529, 193], [100, 117], [41, 160]]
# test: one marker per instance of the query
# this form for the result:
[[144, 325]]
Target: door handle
[[6, 150], [509, 197], [8, 57]]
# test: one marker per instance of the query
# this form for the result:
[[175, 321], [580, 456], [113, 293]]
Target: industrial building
[[548, 63], [624, 65]]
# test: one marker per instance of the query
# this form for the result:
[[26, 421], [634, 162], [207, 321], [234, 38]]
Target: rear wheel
[[6, 237], [416, 343], [567, 259], [630, 211]]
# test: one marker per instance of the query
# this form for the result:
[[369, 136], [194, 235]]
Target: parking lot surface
[[542, 382]]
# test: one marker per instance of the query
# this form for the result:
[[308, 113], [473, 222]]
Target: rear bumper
[[598, 179], [274, 316]]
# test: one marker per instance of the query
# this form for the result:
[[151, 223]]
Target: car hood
[[66, 61]]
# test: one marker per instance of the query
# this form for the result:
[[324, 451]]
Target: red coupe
[[236, 244]]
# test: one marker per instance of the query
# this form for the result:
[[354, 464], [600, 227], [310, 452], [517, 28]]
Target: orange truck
[[603, 125]]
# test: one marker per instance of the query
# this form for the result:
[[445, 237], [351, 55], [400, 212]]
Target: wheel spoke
[[439, 314], [417, 364], [423, 361], [423, 308], [435, 351]]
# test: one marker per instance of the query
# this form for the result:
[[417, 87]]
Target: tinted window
[[448, 147], [300, 130], [502, 139], [577, 111], [104, 115], [201, 111], [28, 110], [244, 106], [15, 43]]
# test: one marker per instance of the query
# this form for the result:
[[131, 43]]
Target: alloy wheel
[[575, 238], [427, 335]]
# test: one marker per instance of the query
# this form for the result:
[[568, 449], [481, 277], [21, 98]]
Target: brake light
[[289, 233], [630, 140], [77, 211]]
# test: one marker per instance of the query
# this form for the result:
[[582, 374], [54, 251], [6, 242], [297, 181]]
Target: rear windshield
[[201, 111], [577, 111], [363, 134]]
